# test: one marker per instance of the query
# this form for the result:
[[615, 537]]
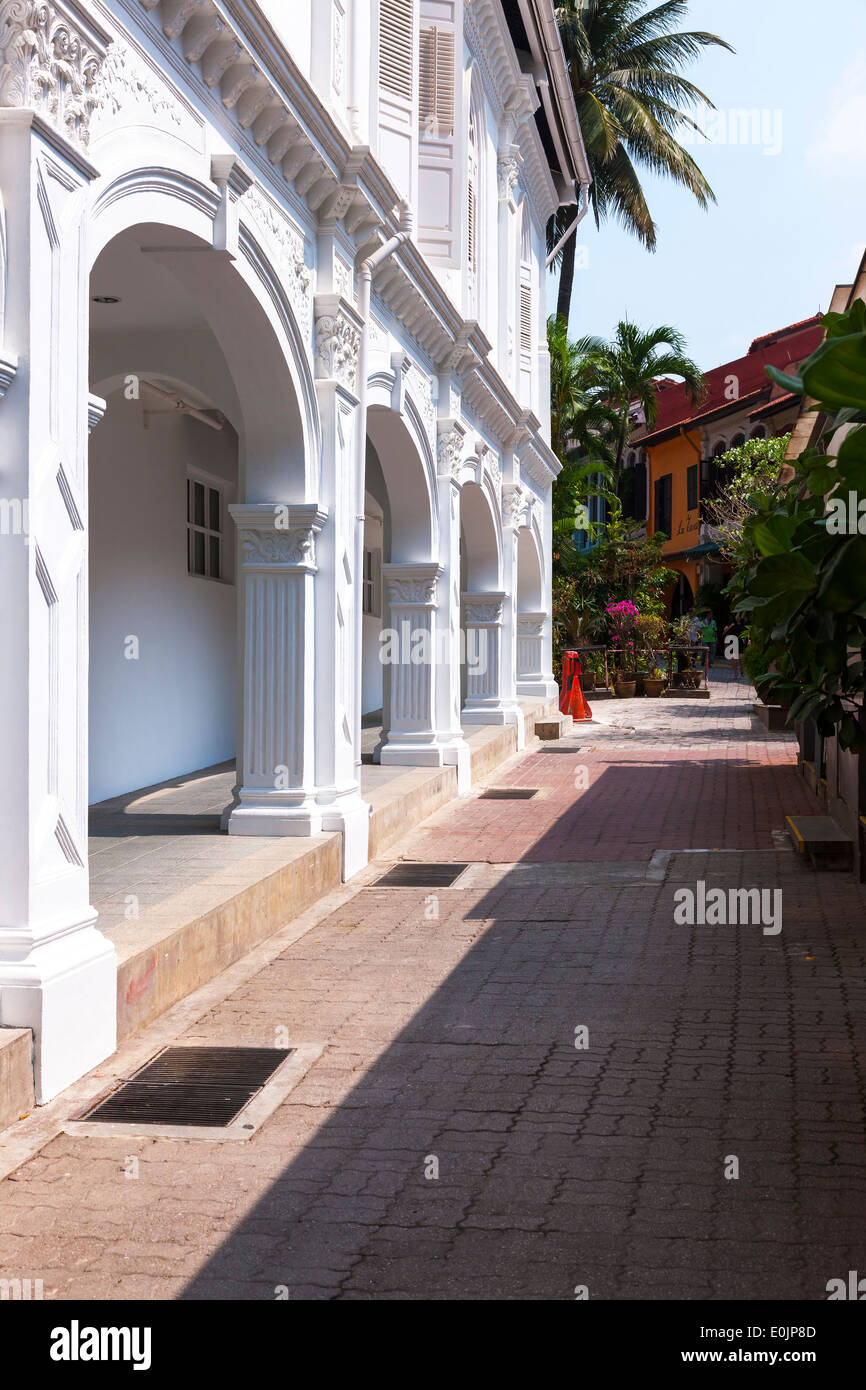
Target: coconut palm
[[631, 366], [624, 62]]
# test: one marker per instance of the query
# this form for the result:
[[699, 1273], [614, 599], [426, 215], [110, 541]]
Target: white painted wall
[[172, 710]]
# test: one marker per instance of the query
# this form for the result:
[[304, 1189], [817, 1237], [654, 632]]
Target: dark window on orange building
[[662, 503], [692, 487]]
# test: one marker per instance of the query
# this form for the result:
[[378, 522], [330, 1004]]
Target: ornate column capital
[[278, 535], [515, 504], [412, 585], [530, 624], [337, 340], [483, 610], [50, 59], [508, 162], [450, 438]]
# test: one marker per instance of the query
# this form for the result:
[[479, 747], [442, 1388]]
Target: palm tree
[[624, 63], [582, 425], [632, 365]]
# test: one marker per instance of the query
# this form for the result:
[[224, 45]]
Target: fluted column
[[530, 652], [409, 657], [482, 627], [275, 792]]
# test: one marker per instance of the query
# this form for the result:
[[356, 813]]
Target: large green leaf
[[835, 374], [791, 573], [843, 585]]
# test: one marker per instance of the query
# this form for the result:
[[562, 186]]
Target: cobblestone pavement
[[453, 1030]]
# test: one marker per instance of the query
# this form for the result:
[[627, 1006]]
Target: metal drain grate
[[508, 793], [191, 1086], [420, 876]]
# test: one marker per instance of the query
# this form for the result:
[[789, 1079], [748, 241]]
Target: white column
[[58, 973], [410, 615], [450, 443], [530, 654], [482, 625], [275, 792]]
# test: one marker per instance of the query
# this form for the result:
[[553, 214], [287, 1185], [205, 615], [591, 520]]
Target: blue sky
[[787, 226]]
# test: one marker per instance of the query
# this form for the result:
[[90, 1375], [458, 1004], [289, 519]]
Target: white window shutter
[[439, 177], [525, 319], [397, 93]]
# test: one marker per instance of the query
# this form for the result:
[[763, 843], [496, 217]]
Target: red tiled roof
[[786, 349]]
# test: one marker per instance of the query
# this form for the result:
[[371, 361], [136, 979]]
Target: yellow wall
[[675, 456]]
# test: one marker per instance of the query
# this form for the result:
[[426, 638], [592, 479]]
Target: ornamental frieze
[[338, 340], [279, 547]]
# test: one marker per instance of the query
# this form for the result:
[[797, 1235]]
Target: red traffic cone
[[571, 698]]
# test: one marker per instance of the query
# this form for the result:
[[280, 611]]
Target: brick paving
[[449, 1022]]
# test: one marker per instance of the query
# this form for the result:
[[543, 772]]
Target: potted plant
[[691, 678], [624, 689], [655, 683], [622, 618]]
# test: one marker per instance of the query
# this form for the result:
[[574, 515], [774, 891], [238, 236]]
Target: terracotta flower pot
[[587, 681], [625, 690], [692, 679], [654, 685]]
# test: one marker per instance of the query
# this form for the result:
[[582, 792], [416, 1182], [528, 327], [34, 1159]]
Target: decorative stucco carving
[[480, 611], [289, 247], [508, 163], [450, 447], [51, 62], [421, 391], [125, 86], [530, 624], [273, 547], [413, 591], [515, 499], [338, 340]]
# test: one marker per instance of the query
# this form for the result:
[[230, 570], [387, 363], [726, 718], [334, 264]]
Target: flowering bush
[[622, 620]]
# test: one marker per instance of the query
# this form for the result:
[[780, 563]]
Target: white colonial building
[[274, 377]]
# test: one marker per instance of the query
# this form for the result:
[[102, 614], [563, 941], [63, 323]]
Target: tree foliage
[[800, 581]]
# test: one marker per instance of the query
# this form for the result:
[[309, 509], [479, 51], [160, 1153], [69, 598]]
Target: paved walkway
[[449, 1022]]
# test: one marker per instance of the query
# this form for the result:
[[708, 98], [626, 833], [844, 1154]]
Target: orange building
[[675, 463]]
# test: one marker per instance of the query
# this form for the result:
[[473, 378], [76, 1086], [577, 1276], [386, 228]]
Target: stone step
[[553, 726], [771, 716], [17, 1098], [822, 839]]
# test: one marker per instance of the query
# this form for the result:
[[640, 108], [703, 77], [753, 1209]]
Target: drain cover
[[191, 1086], [421, 876], [508, 794]]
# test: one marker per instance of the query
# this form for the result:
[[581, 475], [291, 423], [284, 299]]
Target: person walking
[[733, 636], [709, 635]]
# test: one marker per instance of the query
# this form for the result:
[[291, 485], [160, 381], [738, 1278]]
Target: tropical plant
[[800, 575], [632, 365], [581, 423], [752, 471], [625, 63]]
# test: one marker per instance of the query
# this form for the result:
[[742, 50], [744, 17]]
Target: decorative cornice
[[338, 340], [50, 58]]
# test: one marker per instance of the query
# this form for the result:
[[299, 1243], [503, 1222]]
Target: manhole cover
[[191, 1086], [508, 793], [420, 876]]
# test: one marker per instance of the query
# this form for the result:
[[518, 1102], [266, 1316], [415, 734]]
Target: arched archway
[[213, 431], [532, 617], [400, 482]]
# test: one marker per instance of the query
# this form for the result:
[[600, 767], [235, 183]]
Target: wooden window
[[371, 590], [692, 487], [204, 528], [662, 492]]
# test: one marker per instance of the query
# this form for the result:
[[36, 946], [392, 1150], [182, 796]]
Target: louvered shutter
[[439, 214], [397, 95]]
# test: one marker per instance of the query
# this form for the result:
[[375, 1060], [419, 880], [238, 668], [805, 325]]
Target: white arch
[[530, 570], [280, 431], [481, 531], [409, 470]]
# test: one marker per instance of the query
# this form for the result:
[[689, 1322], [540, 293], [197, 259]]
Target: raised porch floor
[[181, 900]]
